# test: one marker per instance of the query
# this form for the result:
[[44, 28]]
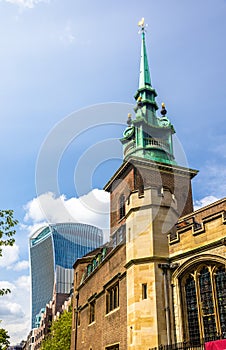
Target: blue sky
[[58, 57]]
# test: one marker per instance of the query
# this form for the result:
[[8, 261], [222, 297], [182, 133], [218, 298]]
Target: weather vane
[[142, 26]]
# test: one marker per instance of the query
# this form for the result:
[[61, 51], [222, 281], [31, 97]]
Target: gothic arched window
[[207, 303], [122, 206], [220, 281], [204, 300], [192, 308]]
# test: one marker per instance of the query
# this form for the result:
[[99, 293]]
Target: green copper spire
[[145, 78], [145, 94], [148, 136]]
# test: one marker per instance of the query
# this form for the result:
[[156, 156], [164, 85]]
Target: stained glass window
[[192, 309], [220, 278], [205, 294], [207, 305]]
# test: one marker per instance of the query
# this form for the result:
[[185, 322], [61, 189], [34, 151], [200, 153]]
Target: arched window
[[204, 300], [122, 206], [192, 309], [207, 303], [220, 281]]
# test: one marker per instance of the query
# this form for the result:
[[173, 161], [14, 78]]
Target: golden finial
[[142, 26], [163, 111], [129, 115], [141, 23], [139, 99]]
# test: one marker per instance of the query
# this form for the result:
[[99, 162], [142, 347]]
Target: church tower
[[149, 192]]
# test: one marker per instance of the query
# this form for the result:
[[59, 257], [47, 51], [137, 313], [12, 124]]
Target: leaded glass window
[[220, 280], [207, 305], [205, 302], [192, 309]]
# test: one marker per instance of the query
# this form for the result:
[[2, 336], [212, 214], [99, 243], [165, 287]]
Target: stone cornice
[[146, 260], [201, 249], [140, 162]]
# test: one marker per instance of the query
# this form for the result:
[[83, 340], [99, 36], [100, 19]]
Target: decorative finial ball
[[163, 111]]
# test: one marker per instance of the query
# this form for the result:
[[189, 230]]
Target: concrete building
[[29, 343], [161, 279], [53, 249]]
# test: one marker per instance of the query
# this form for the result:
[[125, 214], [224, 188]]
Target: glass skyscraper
[[53, 250]]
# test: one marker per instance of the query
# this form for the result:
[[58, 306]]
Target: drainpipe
[[165, 268], [76, 320]]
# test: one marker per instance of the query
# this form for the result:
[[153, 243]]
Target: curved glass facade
[[53, 251]]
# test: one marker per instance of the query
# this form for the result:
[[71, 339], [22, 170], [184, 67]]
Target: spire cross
[[142, 26]]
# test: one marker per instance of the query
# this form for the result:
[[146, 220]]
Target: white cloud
[[10, 254], [11, 309], [7, 285], [10, 259], [15, 308], [204, 201], [26, 3], [31, 228], [92, 209], [33, 210], [21, 265], [23, 282]]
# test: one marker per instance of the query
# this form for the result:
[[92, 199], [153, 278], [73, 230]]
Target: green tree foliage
[[7, 231], [4, 339], [60, 333]]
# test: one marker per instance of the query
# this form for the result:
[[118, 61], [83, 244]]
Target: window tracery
[[204, 300]]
